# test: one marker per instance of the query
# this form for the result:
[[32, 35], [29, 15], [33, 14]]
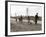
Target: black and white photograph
[[25, 18]]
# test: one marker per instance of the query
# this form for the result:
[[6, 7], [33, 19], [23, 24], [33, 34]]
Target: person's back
[[36, 18], [20, 19]]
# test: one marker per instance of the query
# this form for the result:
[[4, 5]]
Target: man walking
[[36, 18], [28, 19]]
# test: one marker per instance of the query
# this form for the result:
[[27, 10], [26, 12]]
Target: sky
[[18, 10]]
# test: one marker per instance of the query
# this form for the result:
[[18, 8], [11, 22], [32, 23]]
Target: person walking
[[28, 19], [20, 19], [36, 18]]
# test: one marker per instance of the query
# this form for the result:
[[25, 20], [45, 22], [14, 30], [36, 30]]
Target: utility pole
[[28, 16], [27, 11]]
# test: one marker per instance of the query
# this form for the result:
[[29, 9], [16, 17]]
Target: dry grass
[[25, 26]]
